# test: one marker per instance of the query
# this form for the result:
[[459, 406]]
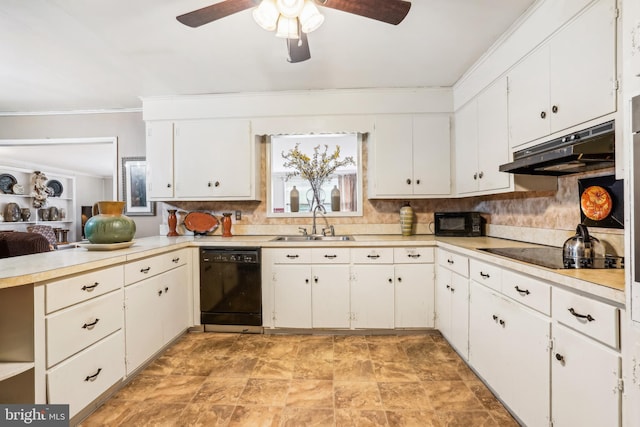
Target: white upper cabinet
[[160, 160], [569, 80], [481, 142], [214, 159], [410, 156]]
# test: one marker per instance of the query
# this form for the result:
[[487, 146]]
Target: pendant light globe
[[266, 15], [310, 17]]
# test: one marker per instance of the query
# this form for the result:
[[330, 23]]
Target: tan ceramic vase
[[406, 220]]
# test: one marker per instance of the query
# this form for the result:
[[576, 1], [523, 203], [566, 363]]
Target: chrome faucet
[[315, 211]]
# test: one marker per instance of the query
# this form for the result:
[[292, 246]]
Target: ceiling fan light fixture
[[266, 15], [310, 17], [287, 28], [290, 8]]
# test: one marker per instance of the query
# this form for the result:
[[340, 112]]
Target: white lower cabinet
[[509, 347], [372, 292], [344, 288], [156, 311], [85, 376], [452, 300]]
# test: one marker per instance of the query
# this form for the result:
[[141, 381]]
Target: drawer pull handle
[[582, 316], [176, 260], [90, 325], [292, 256], [89, 288], [450, 261], [331, 256], [560, 358], [145, 270], [376, 256], [94, 376], [484, 275], [413, 255], [522, 291]]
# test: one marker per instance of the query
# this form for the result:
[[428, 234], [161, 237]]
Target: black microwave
[[458, 224]]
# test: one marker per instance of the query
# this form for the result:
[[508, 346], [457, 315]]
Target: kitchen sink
[[311, 238]]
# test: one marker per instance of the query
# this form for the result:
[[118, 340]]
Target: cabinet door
[[414, 296], [443, 301], [160, 160], [584, 379], [330, 296], [529, 113], [213, 159], [143, 328], [493, 137], [431, 155], [392, 154], [460, 314], [372, 290], [292, 296], [486, 346], [583, 67], [526, 367], [175, 302], [466, 148]]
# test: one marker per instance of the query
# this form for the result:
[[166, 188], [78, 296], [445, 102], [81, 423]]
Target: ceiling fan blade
[[215, 11], [389, 11], [298, 49]]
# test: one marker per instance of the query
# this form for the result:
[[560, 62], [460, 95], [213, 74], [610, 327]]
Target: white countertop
[[16, 271]]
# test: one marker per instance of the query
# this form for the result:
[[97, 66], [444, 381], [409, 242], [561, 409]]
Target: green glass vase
[[110, 225]]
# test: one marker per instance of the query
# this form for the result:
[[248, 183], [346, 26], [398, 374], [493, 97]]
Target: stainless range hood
[[590, 149]]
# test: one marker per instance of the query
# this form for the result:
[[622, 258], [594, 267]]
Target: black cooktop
[[551, 257]]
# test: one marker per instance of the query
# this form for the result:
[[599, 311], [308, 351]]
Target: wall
[[128, 127]]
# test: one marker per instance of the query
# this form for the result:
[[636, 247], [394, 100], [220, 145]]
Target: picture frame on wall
[[134, 187]]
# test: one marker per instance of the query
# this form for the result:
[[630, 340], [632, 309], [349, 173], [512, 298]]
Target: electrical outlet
[[238, 215]]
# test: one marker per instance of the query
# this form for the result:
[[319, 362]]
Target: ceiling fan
[[293, 19]]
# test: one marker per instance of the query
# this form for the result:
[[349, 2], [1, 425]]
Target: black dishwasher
[[230, 286]]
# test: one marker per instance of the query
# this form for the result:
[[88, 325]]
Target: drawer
[[151, 266], [330, 256], [87, 375], [71, 330], [454, 262], [413, 255], [595, 319], [74, 289], [372, 255], [291, 256], [488, 274], [527, 290]]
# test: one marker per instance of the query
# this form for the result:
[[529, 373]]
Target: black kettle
[[582, 250]]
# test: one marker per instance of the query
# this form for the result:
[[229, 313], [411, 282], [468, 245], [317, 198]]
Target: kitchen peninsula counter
[[16, 271]]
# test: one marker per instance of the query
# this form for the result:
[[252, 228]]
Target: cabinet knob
[[417, 181], [217, 184], [501, 322], [408, 181], [475, 176], [554, 109], [560, 358], [543, 114], [400, 279], [306, 280], [160, 292], [315, 279], [166, 289], [390, 280], [495, 318], [168, 185], [481, 174]]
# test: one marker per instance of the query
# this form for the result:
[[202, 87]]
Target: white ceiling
[[61, 55]]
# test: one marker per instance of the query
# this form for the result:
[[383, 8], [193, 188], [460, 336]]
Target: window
[[346, 180]]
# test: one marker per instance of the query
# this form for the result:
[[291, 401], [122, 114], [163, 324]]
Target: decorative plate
[[18, 189], [201, 222], [596, 203], [56, 187], [7, 182], [105, 246]]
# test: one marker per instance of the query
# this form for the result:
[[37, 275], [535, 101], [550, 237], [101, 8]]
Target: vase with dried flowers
[[315, 169]]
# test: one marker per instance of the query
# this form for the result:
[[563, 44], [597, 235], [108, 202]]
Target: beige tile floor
[[214, 379]]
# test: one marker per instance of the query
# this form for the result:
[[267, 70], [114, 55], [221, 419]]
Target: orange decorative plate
[[201, 222], [596, 203]]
